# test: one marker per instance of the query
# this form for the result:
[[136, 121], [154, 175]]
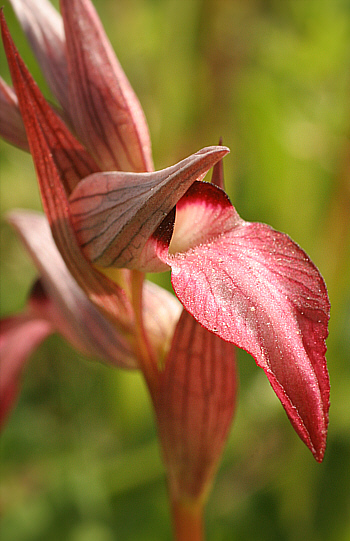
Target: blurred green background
[[79, 456]]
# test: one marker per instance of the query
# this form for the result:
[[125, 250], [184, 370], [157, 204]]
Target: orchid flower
[[110, 218]]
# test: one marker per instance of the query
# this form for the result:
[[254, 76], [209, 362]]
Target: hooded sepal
[[115, 214]]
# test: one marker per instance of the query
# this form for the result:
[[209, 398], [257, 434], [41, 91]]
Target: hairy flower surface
[[110, 218]]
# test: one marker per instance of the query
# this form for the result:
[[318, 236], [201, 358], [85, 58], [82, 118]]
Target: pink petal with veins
[[66, 153], [108, 117]]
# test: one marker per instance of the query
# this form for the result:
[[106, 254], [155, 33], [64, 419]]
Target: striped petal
[[92, 89], [108, 117]]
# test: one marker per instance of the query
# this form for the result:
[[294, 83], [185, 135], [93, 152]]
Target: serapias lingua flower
[[113, 219], [143, 316]]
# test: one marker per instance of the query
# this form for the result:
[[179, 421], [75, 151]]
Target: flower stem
[[188, 521]]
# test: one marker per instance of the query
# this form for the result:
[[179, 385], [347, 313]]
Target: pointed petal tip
[[218, 172], [43, 28], [319, 454], [113, 230], [2, 19], [314, 436], [3, 24], [318, 450], [219, 150]]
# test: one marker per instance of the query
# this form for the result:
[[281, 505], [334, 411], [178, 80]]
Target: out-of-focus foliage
[[79, 456]]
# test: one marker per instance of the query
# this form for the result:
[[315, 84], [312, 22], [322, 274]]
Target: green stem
[[188, 521]]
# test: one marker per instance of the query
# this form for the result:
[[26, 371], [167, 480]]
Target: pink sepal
[[107, 117]]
